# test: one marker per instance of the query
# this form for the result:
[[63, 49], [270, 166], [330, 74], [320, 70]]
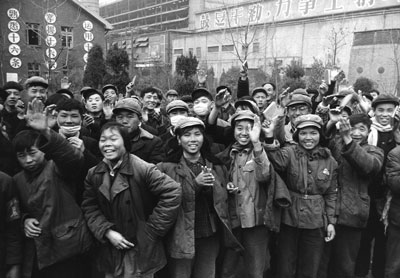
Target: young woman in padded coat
[[310, 173], [203, 225]]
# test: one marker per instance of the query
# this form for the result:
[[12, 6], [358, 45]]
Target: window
[[198, 52], [191, 50], [227, 47], [66, 36], [178, 51], [256, 47], [32, 34], [213, 48], [33, 69]]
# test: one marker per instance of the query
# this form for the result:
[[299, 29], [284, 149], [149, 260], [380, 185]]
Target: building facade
[[48, 38], [359, 36]]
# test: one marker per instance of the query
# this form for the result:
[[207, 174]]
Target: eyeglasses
[[298, 108]]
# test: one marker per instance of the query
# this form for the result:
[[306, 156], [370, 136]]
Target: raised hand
[[345, 129], [37, 115], [254, 132], [201, 76], [268, 127], [222, 98], [108, 107]]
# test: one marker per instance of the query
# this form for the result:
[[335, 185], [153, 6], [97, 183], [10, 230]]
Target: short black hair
[[69, 105], [122, 130], [151, 90], [360, 118], [25, 140]]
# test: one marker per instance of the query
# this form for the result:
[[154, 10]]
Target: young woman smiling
[[310, 173], [194, 242]]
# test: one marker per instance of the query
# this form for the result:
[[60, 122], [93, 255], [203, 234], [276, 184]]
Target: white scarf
[[375, 127]]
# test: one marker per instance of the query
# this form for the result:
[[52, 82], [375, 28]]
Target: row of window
[[255, 48], [33, 35]]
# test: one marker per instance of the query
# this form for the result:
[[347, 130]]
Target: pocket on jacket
[[151, 255], [71, 238]]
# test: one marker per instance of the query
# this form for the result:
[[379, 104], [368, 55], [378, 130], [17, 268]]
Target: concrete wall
[[298, 39]]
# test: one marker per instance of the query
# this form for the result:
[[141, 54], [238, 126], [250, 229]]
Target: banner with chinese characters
[[228, 16]]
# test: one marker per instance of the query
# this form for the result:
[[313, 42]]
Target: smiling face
[[359, 132], [296, 110], [241, 132], [69, 118], [12, 98], [309, 138], [94, 103], [270, 91], [191, 140], [111, 95], [383, 113], [150, 100], [38, 92], [111, 145]]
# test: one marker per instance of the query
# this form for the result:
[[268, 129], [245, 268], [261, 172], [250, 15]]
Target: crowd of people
[[303, 184]]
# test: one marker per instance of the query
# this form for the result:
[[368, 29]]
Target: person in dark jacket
[[69, 125], [10, 234], [11, 97], [359, 163], [129, 206], [382, 136], [195, 240], [143, 144], [392, 266], [94, 118], [310, 173], [54, 226]]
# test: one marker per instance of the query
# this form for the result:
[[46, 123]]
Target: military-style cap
[[188, 122], [128, 104], [385, 98], [308, 120], [242, 115], [36, 81], [177, 104]]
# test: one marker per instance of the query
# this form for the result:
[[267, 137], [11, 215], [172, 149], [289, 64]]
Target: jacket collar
[[125, 168]]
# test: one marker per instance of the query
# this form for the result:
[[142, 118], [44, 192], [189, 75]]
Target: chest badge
[[325, 172]]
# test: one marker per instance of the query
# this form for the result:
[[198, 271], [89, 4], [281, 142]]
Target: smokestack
[[92, 5]]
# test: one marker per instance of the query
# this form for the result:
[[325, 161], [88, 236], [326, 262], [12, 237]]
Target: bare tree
[[394, 36]]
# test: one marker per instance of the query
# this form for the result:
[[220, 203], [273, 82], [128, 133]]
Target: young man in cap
[[110, 93], [299, 103], [359, 163], [11, 98], [262, 97], [382, 136], [171, 95], [36, 87], [176, 110], [143, 144], [203, 103]]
